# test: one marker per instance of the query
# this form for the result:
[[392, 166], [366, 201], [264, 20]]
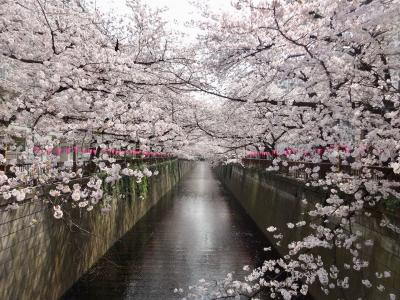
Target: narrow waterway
[[197, 231]]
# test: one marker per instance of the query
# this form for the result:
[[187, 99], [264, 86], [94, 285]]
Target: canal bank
[[275, 200], [197, 231], [42, 259]]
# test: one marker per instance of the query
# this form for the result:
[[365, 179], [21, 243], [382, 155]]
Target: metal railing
[[88, 167], [302, 169]]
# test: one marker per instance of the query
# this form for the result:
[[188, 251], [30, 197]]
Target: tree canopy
[[279, 77]]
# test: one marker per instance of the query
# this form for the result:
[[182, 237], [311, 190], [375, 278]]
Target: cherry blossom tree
[[74, 77], [271, 74], [309, 74]]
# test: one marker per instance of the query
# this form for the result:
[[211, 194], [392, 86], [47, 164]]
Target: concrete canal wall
[[43, 260], [276, 200]]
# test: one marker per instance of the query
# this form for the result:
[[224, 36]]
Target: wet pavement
[[197, 231]]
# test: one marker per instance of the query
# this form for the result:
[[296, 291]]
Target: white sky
[[178, 10]]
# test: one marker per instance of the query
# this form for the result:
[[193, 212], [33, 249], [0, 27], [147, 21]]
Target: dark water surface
[[197, 231]]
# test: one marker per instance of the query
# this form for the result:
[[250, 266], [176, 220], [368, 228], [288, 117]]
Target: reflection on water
[[195, 232]]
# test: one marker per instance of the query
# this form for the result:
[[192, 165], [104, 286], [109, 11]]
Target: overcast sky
[[180, 10], [177, 14]]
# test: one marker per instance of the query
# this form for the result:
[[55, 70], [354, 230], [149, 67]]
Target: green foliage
[[127, 187], [143, 187], [391, 203]]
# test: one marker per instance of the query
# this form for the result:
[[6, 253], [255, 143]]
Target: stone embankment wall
[[41, 257], [272, 199]]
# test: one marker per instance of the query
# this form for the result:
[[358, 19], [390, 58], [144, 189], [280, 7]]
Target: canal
[[196, 231]]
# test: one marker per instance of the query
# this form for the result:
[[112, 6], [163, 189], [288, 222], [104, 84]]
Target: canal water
[[196, 231]]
